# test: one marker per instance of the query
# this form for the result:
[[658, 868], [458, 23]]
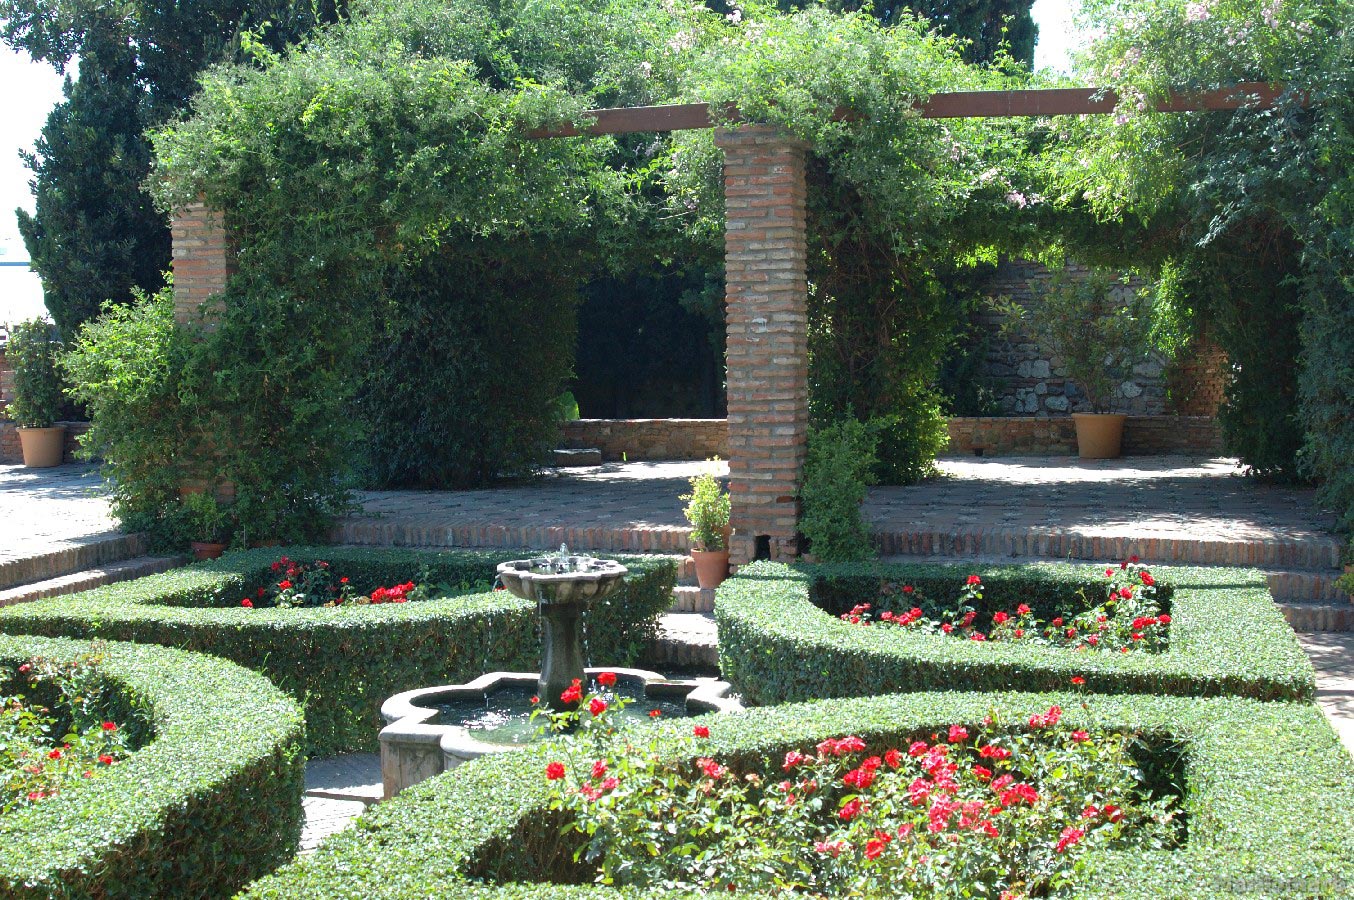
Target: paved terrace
[[1166, 509]]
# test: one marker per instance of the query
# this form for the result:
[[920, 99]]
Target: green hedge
[[343, 663], [212, 801], [1269, 801], [777, 645]]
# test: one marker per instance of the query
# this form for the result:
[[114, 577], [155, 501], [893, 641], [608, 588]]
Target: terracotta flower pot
[[712, 567], [207, 550], [43, 447], [1099, 435]]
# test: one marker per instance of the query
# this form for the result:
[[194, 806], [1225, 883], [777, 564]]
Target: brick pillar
[[766, 293], [203, 260]]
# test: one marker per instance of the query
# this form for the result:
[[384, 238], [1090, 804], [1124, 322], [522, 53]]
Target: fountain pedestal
[[561, 653]]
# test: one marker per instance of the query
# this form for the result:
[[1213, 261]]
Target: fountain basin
[[418, 743], [563, 579]]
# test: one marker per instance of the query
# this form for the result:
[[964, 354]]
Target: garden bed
[[343, 662], [780, 639], [1257, 821], [210, 799]]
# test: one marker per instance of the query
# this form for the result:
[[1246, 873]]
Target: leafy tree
[[95, 234]]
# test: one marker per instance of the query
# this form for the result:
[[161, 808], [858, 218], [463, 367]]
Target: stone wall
[[1029, 380], [650, 439], [1048, 436], [12, 454]]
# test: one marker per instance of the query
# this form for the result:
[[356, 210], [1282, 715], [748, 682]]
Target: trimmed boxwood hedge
[[1269, 801], [777, 645], [210, 802], [343, 663]]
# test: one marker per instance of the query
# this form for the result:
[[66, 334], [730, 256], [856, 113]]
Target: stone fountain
[[433, 729]]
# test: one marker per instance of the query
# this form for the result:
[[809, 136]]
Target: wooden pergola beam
[[954, 105]]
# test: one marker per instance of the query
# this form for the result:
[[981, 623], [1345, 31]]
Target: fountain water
[[433, 729]]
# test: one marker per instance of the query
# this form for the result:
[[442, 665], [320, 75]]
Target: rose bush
[[1128, 618], [995, 808]]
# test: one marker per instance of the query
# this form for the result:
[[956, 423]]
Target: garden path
[[41, 509]]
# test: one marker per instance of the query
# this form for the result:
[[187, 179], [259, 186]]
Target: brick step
[[1317, 553], [685, 641], [70, 556], [75, 582], [1324, 616], [374, 532], [575, 456], [688, 598]]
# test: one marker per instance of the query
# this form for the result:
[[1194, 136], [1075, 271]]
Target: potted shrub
[[707, 509], [206, 523], [1094, 324], [32, 350]]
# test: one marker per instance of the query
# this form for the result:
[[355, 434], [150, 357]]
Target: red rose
[[599, 768], [655, 713], [974, 579], [55, 754], [851, 810], [554, 771], [1077, 679], [701, 731], [894, 758], [957, 734], [1068, 837], [1080, 736], [284, 584], [110, 726], [794, 758], [907, 589], [573, 693], [597, 706], [1023, 609], [1000, 618], [247, 603], [1164, 619], [105, 759], [606, 679], [1147, 578]]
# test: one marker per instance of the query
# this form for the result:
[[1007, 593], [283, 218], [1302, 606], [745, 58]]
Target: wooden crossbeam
[[954, 105]]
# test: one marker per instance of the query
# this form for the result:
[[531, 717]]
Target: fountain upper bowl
[[561, 579]]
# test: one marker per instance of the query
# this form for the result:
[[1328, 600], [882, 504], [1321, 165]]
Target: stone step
[[1316, 553], [572, 457], [1321, 616], [686, 641], [74, 555], [91, 578]]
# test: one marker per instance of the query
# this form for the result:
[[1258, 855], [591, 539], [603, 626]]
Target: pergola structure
[[765, 263]]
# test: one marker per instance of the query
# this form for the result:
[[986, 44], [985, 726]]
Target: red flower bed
[[1126, 618]]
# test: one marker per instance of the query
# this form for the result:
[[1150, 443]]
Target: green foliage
[[1259, 775], [32, 351], [838, 467], [210, 803], [1093, 322], [486, 338], [203, 518], [779, 638], [908, 441], [344, 663], [707, 509]]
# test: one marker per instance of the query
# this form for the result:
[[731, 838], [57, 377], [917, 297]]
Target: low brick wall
[[1143, 436], [12, 454], [650, 439], [658, 439]]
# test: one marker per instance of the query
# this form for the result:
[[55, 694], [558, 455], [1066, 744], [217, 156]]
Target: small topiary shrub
[[209, 799], [780, 639], [839, 467], [1253, 778], [32, 351], [343, 662]]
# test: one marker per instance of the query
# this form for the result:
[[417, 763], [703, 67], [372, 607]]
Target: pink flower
[[794, 758], [711, 768], [958, 734], [1079, 736]]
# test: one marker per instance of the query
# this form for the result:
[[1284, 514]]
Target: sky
[[31, 90]]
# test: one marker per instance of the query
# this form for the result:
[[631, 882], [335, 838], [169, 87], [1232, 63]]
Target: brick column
[[766, 293], [203, 261]]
